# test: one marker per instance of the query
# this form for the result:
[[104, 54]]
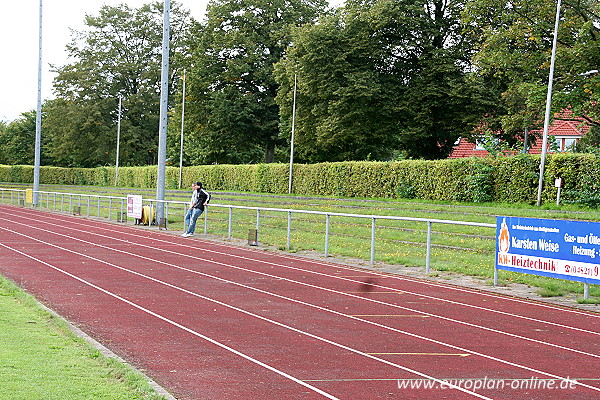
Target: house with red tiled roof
[[566, 130]]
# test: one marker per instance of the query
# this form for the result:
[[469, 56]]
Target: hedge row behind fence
[[504, 179]]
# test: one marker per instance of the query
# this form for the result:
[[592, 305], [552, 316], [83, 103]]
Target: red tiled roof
[[466, 149], [564, 126]]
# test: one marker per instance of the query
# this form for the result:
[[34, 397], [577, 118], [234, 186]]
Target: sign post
[[558, 185]]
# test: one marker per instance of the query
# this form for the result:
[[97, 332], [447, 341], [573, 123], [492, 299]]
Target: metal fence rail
[[113, 207]]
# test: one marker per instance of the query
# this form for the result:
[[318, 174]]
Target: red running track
[[212, 321]]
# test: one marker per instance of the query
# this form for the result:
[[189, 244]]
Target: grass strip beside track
[[40, 358]]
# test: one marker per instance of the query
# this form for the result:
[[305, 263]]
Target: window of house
[[558, 144], [570, 144], [482, 142]]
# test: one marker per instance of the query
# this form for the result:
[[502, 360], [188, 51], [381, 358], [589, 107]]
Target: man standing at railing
[[200, 198]]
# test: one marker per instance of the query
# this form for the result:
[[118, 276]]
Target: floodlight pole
[[38, 122], [293, 134], [548, 106], [182, 125], [118, 142], [162, 131]]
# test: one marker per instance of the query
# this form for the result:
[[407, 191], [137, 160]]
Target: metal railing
[[100, 206]]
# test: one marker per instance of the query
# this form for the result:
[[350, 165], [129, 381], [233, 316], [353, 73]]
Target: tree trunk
[[270, 152]]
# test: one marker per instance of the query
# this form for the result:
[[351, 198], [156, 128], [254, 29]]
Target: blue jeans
[[190, 219]]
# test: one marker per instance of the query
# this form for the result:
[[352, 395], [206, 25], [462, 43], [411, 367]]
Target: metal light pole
[[118, 142], [162, 131], [38, 122], [293, 134], [548, 104], [181, 139]]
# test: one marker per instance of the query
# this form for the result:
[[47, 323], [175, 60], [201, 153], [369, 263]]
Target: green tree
[[515, 43], [3, 125], [378, 77], [233, 117], [18, 141], [118, 54]]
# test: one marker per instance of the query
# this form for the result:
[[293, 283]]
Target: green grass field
[[40, 358]]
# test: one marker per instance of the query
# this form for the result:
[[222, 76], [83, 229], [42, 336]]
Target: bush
[[504, 179]]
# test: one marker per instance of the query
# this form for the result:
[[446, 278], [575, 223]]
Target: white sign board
[[134, 206]]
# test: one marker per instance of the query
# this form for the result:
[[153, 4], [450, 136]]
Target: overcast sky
[[19, 36]]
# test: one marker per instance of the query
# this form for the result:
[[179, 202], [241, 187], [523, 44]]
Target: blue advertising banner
[[555, 248]]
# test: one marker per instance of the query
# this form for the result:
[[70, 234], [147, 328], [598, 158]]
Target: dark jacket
[[200, 197]]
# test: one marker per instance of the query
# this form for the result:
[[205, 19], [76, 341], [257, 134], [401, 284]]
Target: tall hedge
[[504, 179]]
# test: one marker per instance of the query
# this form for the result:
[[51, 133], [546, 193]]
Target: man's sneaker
[[185, 234]]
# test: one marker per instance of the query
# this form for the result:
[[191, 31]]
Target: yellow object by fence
[[148, 215]]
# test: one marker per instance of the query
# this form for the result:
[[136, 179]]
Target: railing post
[[495, 275], [121, 211], [185, 225], [586, 291], [257, 223], [205, 220], [327, 223], [230, 222], [428, 256], [289, 229], [166, 214], [372, 241]]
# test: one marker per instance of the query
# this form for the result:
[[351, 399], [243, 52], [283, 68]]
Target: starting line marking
[[422, 354], [367, 291], [391, 315]]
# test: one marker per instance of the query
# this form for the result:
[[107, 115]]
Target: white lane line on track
[[331, 265], [339, 345], [353, 281], [299, 302]]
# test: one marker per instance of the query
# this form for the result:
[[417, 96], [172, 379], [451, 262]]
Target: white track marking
[[352, 350], [293, 300]]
